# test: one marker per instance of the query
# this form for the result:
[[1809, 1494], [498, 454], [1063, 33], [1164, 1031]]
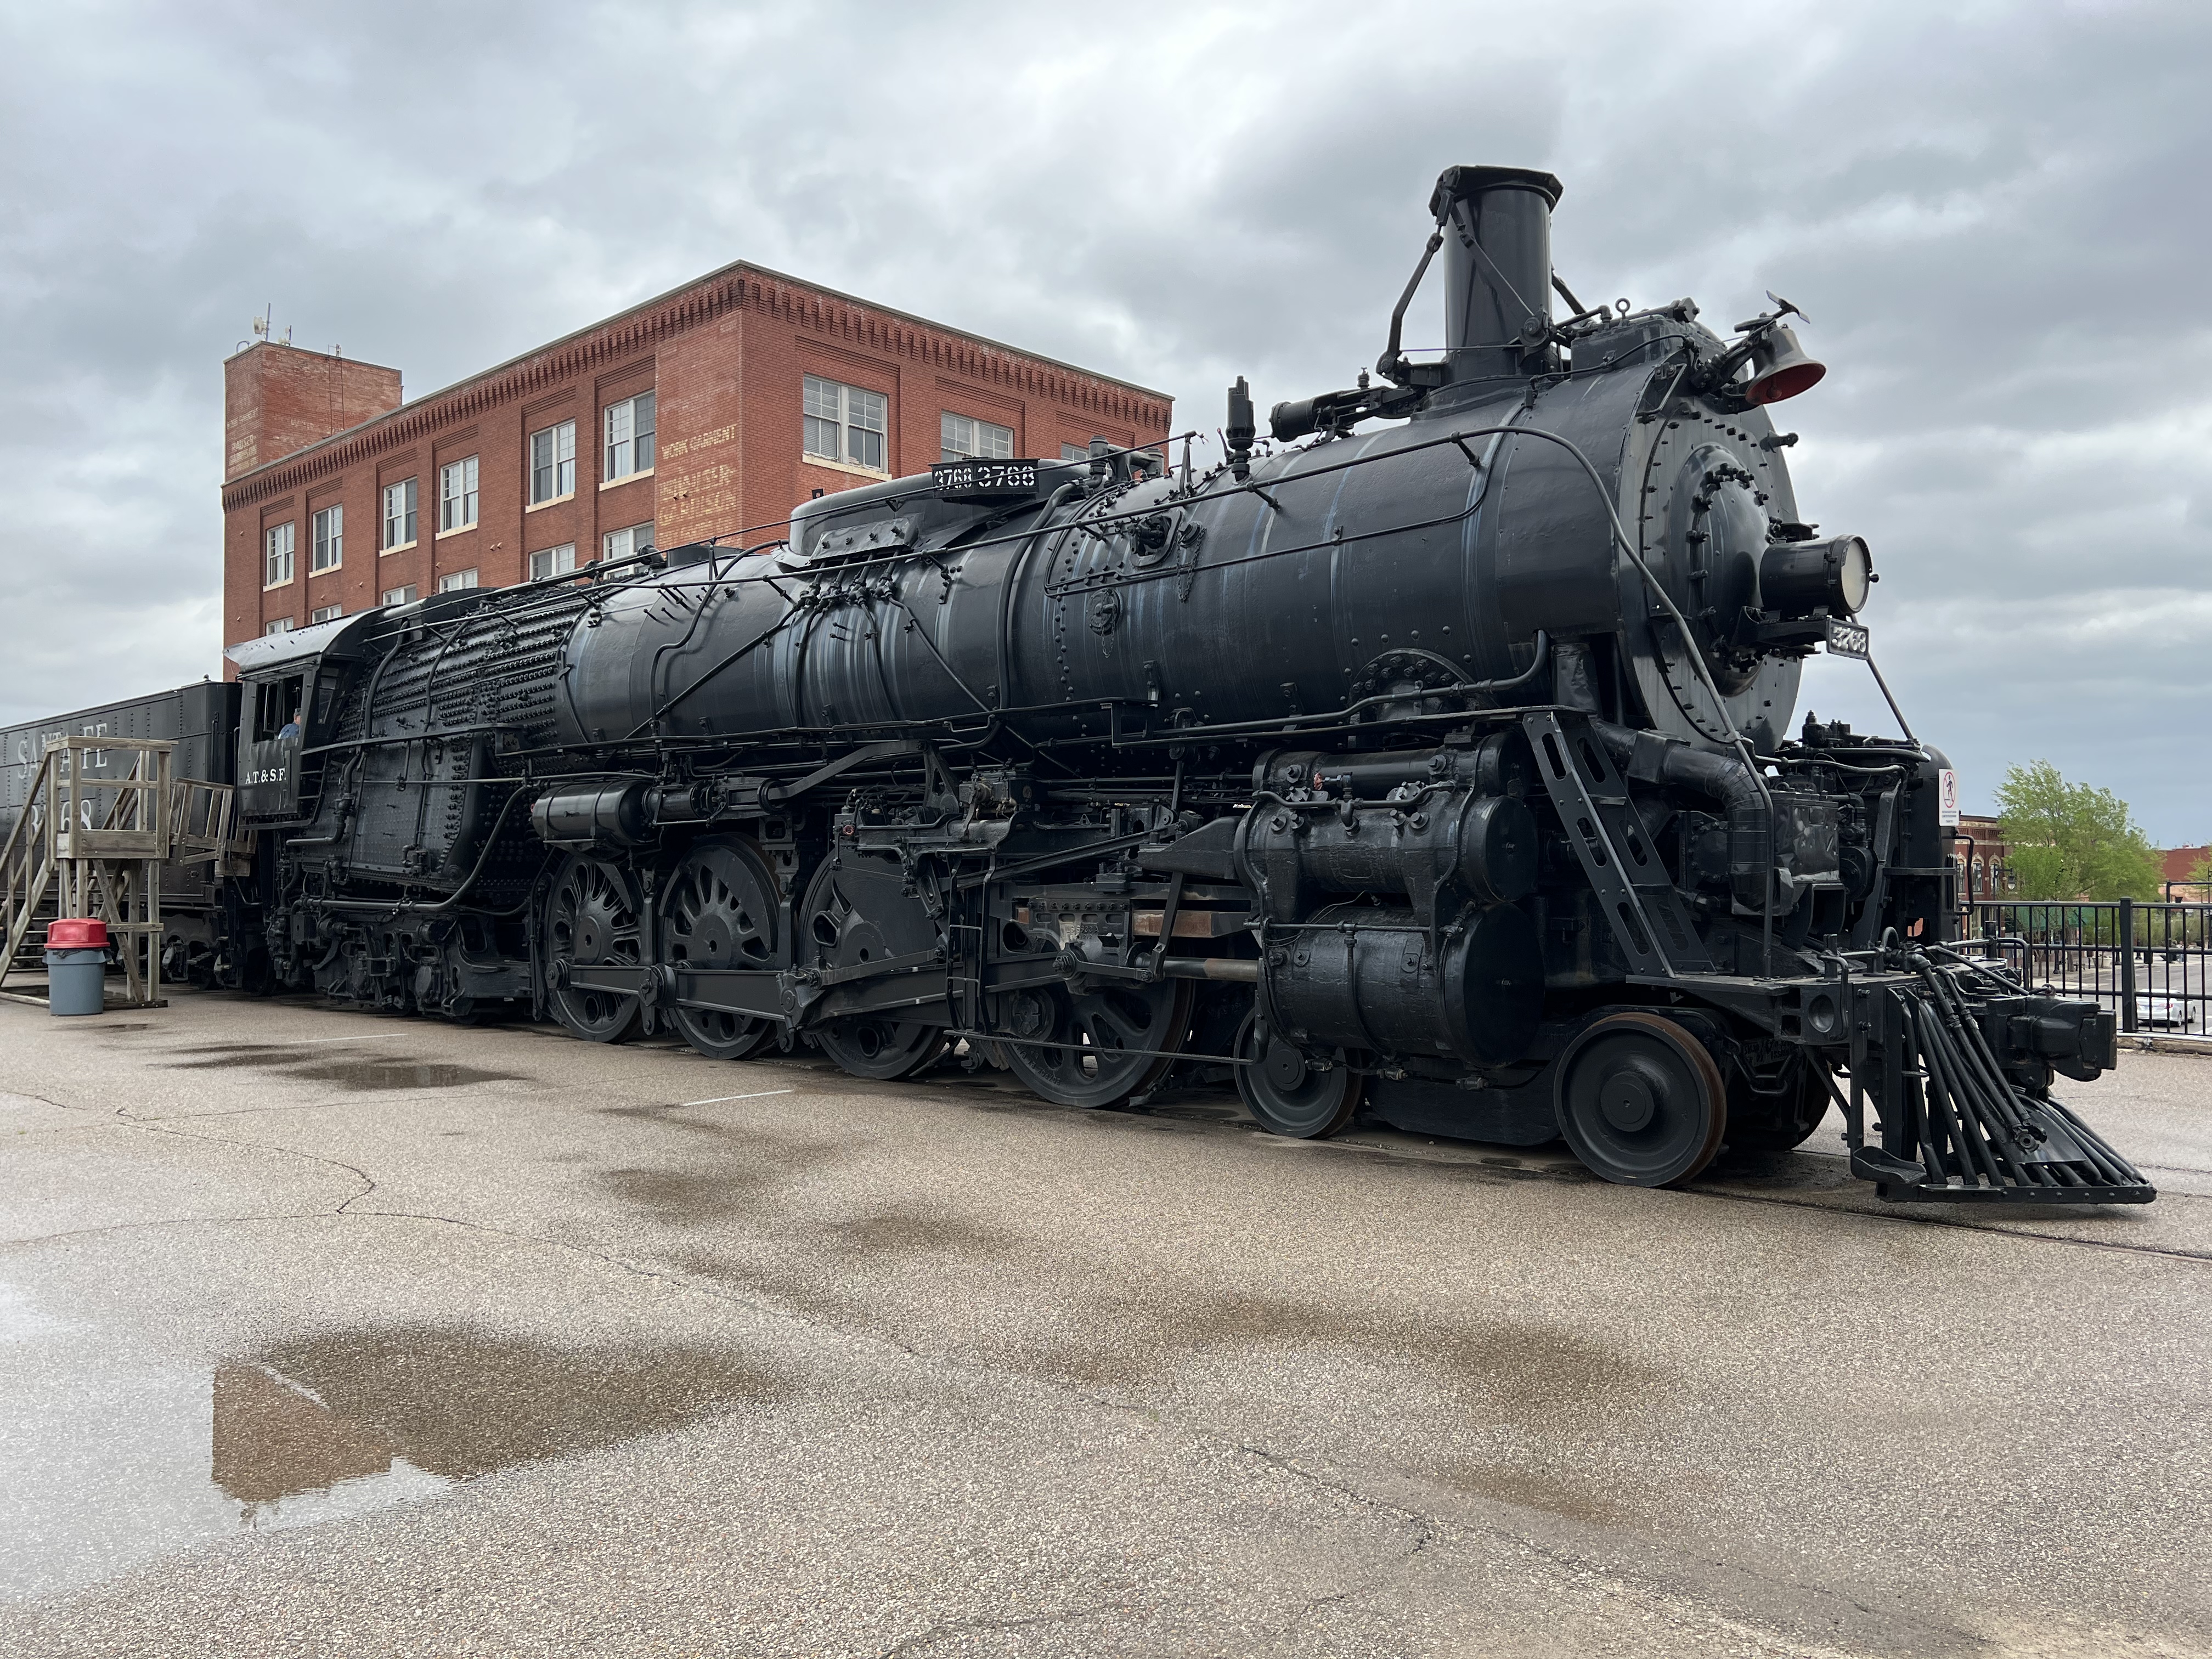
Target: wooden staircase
[[94, 846]]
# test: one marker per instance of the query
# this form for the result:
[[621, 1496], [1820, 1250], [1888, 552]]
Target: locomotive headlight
[[1795, 578]]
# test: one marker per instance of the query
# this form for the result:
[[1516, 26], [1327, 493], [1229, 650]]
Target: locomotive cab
[[269, 767], [291, 686]]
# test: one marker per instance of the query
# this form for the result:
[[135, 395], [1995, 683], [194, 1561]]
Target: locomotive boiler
[[1432, 757]]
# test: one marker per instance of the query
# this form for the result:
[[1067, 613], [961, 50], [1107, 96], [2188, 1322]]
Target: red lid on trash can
[[76, 934]]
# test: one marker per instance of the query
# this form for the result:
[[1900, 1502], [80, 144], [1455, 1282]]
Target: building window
[[553, 462], [553, 561], [322, 613], [282, 625], [453, 581], [399, 515], [845, 423], [406, 595], [457, 495], [974, 440], [626, 544], [330, 540], [630, 437], [276, 562], [1074, 451]]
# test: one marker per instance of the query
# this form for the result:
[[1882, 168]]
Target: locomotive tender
[[1436, 762]]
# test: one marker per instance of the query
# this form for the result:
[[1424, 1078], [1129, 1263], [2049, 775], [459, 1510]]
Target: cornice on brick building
[[821, 311]]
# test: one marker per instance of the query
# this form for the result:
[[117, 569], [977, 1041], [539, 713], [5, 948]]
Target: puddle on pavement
[[320, 1411], [109, 1461], [355, 1073]]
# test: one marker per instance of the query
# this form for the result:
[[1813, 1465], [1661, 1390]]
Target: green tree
[[2070, 840]]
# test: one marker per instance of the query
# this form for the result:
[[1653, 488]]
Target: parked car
[[2165, 1013]]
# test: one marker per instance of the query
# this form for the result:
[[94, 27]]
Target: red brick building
[[1985, 858], [711, 411], [2180, 866]]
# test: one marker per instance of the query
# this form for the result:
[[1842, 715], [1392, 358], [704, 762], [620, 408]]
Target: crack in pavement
[[146, 1125]]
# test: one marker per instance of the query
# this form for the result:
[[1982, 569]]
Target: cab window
[[274, 704]]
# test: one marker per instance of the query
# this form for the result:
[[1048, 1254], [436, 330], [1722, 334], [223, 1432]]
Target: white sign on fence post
[[1946, 798]]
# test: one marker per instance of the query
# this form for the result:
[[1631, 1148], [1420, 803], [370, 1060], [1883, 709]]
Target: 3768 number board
[[984, 481]]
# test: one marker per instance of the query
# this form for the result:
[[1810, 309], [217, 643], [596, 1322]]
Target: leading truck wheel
[[1640, 1101], [1289, 1096]]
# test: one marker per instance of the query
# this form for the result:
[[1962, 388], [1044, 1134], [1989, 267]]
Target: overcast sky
[[1996, 218]]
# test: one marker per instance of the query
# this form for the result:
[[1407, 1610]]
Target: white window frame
[[553, 561], [627, 440], [457, 495], [454, 582], [277, 548], [328, 539], [1069, 452], [553, 479], [829, 405], [621, 544], [322, 613], [401, 504], [282, 625], [406, 595], [969, 437]]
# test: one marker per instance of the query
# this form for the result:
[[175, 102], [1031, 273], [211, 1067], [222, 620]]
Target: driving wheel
[[591, 921], [857, 911], [1076, 1048], [719, 910], [1640, 1101], [1288, 1094]]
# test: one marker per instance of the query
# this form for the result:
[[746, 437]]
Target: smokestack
[[1497, 265]]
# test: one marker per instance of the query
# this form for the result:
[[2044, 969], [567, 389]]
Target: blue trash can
[[76, 965]]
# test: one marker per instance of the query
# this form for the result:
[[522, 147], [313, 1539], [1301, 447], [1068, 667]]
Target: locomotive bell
[[1780, 369]]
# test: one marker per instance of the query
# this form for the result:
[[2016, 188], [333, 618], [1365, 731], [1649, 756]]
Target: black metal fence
[[2149, 962]]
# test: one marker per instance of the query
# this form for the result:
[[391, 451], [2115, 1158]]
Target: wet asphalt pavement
[[321, 1334]]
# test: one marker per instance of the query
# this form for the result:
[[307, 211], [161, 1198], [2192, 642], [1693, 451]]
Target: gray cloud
[[1997, 217]]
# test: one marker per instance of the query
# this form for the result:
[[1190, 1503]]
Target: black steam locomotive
[[1433, 759]]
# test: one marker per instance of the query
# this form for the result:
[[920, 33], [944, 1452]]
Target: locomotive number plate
[[1848, 640], [984, 481]]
